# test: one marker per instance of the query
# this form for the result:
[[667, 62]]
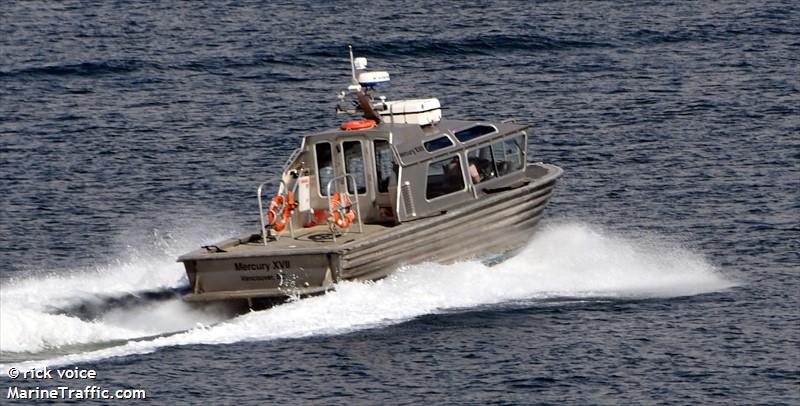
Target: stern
[[214, 277]]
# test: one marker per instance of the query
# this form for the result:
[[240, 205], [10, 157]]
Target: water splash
[[46, 311], [567, 260]]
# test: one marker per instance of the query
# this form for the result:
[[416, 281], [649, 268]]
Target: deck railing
[[282, 186], [346, 177]]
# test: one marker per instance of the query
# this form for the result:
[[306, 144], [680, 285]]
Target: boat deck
[[305, 240], [320, 235]]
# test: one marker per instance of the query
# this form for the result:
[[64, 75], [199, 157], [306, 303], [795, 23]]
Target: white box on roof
[[416, 111]]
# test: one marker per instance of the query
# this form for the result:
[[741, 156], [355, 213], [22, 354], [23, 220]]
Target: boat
[[398, 185]]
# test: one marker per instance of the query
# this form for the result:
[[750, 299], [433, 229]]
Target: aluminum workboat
[[399, 185]]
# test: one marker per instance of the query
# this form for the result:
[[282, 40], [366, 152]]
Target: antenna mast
[[352, 65]]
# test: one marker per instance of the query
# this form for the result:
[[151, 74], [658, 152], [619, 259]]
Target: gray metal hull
[[498, 222]]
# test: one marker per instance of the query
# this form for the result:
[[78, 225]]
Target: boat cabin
[[399, 163], [403, 172]]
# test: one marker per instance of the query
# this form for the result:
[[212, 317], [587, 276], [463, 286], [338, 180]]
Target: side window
[[354, 165], [481, 164], [473, 132], [444, 177], [508, 156], [437, 144], [498, 159], [324, 166], [383, 165]]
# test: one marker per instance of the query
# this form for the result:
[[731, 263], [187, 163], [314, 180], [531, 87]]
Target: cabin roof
[[414, 143]]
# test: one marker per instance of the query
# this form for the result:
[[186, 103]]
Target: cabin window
[[481, 164], [473, 132], [383, 165], [354, 165], [444, 177], [508, 155], [498, 159], [437, 144], [324, 166]]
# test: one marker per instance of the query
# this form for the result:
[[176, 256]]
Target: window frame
[[377, 172], [492, 161], [445, 157], [437, 139], [363, 167], [475, 137], [316, 166], [500, 140]]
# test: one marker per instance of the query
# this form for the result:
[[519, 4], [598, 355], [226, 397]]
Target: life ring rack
[[341, 209], [279, 212], [280, 209], [340, 206]]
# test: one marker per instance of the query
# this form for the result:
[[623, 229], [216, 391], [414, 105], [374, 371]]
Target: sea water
[[665, 269]]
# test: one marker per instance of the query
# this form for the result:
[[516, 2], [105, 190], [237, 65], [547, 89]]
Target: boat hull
[[497, 223]]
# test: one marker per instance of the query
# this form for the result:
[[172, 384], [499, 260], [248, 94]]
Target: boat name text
[[275, 265], [411, 152]]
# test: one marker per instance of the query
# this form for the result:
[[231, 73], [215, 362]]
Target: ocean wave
[[491, 44], [89, 68]]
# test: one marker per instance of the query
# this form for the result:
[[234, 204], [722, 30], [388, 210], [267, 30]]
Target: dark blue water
[[667, 269]]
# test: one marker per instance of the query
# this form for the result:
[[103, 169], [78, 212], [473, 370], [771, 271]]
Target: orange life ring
[[341, 210], [280, 209], [358, 124]]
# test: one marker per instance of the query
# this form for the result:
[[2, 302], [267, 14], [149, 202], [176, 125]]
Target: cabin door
[[352, 154], [385, 178]]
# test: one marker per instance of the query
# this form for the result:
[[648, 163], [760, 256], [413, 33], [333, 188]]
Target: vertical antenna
[[352, 65]]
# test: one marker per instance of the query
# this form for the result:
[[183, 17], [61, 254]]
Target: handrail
[[282, 185], [358, 206], [291, 159]]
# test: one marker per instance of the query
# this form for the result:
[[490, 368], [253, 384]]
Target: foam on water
[[567, 260], [26, 305], [35, 311]]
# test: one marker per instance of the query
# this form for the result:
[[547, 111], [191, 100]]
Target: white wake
[[30, 308], [561, 261]]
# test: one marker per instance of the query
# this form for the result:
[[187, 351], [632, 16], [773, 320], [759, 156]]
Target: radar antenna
[[361, 85]]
